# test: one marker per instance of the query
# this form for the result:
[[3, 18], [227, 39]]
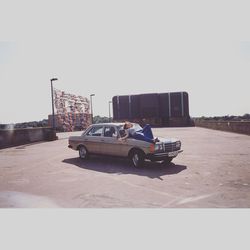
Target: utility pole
[[52, 98], [91, 107]]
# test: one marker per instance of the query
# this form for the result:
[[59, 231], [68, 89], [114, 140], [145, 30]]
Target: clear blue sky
[[124, 47]]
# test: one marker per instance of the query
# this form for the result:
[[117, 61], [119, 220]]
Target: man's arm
[[125, 136]]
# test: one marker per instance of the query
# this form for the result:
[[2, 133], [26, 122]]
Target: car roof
[[109, 124]]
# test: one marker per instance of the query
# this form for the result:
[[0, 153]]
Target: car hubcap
[[82, 152], [135, 159]]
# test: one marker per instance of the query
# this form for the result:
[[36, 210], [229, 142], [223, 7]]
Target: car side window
[[110, 132], [122, 132], [95, 131]]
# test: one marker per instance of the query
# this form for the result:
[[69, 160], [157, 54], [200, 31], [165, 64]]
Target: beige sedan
[[104, 139]]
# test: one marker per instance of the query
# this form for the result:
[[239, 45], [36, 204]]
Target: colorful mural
[[69, 103], [72, 112]]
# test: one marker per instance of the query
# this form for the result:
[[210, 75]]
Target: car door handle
[[102, 140]]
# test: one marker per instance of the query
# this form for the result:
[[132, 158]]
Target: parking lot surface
[[213, 171]]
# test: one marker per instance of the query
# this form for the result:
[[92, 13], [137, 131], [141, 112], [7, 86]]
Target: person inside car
[[110, 132]]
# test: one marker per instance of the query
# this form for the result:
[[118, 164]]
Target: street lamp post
[[52, 97], [109, 111], [91, 107]]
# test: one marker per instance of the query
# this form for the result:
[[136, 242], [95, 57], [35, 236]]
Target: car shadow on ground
[[123, 166]]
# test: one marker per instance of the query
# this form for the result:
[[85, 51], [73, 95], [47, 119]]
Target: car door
[[93, 139], [111, 145], [109, 141]]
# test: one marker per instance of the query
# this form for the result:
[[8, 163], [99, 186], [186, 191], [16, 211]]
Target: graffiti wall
[[72, 112], [69, 103]]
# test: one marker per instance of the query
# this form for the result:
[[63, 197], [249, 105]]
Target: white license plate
[[173, 154]]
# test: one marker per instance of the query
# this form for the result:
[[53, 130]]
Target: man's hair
[[125, 125]]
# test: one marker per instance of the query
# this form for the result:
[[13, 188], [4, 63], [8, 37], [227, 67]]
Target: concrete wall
[[15, 137], [242, 127]]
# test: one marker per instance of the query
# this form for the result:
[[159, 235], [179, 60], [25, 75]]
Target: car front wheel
[[137, 158], [167, 160], [83, 153]]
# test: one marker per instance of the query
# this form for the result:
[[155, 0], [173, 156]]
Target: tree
[[246, 116], [99, 119]]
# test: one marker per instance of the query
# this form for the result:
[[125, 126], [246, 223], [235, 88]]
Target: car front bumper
[[162, 156]]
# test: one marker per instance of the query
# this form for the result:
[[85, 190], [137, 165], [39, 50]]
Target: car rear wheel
[[83, 153], [137, 158]]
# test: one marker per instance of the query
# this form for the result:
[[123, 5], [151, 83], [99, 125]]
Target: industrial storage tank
[[164, 107], [158, 109], [149, 105], [135, 111]]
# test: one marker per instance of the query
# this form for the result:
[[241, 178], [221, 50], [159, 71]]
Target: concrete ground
[[212, 172]]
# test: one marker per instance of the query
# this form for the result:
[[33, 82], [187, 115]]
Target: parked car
[[103, 139]]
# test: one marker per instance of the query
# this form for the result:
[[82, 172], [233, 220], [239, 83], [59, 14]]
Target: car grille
[[171, 147]]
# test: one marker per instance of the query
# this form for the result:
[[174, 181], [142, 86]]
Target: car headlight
[[178, 144], [159, 147]]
